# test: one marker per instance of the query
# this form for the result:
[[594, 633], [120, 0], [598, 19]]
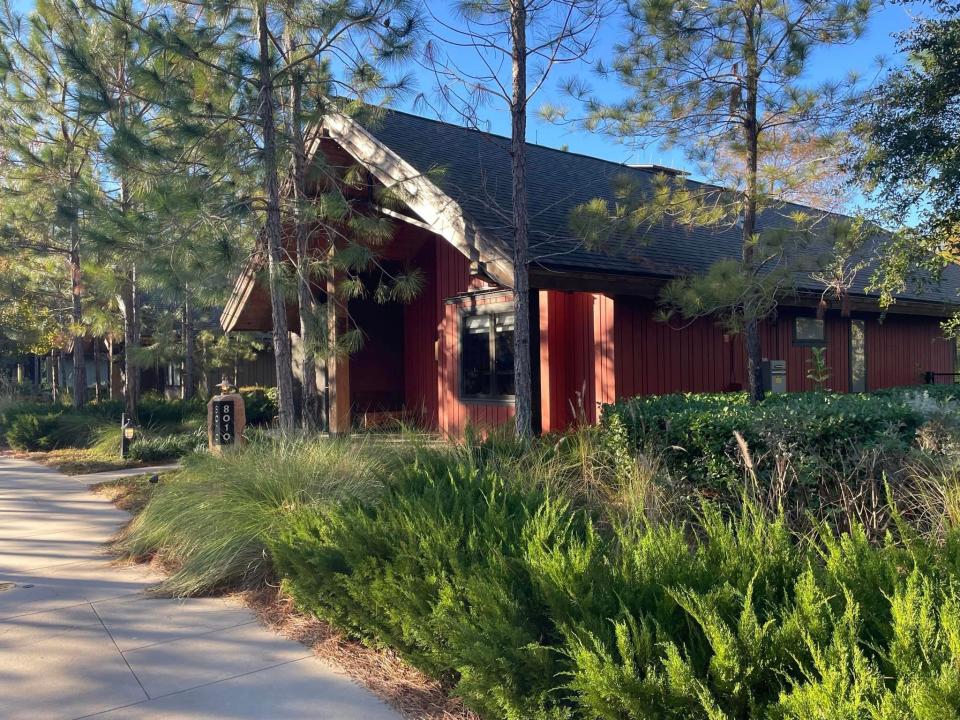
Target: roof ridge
[[540, 146], [651, 171]]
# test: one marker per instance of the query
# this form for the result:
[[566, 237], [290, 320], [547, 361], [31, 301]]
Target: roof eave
[[440, 211]]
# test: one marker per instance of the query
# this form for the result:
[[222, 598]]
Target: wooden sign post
[[226, 420]]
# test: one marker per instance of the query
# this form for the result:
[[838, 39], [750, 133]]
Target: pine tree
[[530, 37], [725, 81], [235, 81], [48, 140]]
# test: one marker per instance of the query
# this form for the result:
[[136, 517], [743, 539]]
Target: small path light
[[154, 479], [127, 433]]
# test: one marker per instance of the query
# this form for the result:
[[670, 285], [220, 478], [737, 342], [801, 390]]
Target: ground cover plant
[[592, 575], [87, 439], [819, 452], [535, 608]]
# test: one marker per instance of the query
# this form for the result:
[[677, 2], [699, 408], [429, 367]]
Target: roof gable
[[477, 178]]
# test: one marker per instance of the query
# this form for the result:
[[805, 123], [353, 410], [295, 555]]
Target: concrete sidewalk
[[78, 637]]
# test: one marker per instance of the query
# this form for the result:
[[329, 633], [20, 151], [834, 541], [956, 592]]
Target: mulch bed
[[381, 671]]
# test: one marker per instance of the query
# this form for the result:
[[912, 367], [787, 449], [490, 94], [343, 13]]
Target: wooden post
[[338, 365], [604, 378]]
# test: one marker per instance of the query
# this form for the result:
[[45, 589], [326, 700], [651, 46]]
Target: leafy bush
[[260, 404], [696, 432], [32, 432], [212, 519], [50, 431], [532, 610], [154, 411], [160, 448]]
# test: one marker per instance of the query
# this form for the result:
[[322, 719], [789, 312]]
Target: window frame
[[493, 311], [866, 375], [806, 342]]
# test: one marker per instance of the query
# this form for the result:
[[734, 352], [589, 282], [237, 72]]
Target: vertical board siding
[[653, 358], [453, 279], [421, 323], [577, 337], [902, 348], [594, 349], [605, 389]]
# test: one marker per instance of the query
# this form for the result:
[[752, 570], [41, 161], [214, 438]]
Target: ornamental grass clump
[[211, 521]]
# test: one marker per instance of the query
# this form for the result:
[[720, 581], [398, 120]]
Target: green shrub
[[695, 433], [260, 404], [32, 432], [50, 431], [213, 518], [532, 611], [433, 571], [161, 448], [155, 411]]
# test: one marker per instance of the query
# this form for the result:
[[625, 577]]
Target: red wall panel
[[653, 358], [421, 327], [594, 348], [576, 356], [901, 348], [455, 414]]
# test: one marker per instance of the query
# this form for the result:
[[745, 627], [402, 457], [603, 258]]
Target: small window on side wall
[[486, 357], [809, 331], [858, 356]]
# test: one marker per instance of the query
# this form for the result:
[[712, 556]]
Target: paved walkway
[[78, 637]]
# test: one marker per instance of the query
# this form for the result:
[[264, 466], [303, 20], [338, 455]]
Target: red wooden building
[[445, 359]]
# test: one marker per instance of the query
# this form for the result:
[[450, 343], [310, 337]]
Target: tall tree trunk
[[96, 369], [521, 253], [54, 365], [273, 232], [751, 324], [76, 316], [310, 405], [188, 383], [131, 342], [110, 366]]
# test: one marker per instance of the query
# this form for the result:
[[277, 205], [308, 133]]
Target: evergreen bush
[[531, 610], [695, 432]]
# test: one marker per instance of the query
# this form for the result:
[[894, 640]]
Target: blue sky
[[826, 63]]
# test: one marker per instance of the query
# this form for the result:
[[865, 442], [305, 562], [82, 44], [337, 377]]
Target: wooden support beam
[[338, 365]]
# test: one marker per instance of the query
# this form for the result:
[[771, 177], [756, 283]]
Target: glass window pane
[[808, 329], [475, 355], [858, 356], [503, 361]]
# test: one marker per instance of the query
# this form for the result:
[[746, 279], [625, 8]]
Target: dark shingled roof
[[475, 171]]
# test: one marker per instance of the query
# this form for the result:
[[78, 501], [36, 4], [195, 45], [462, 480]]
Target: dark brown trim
[[649, 286], [461, 297]]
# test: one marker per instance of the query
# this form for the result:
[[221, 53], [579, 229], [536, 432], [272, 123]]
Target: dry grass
[[75, 461], [129, 493], [407, 690]]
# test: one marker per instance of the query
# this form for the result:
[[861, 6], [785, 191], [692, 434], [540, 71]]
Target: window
[[858, 356], [808, 331], [486, 356]]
